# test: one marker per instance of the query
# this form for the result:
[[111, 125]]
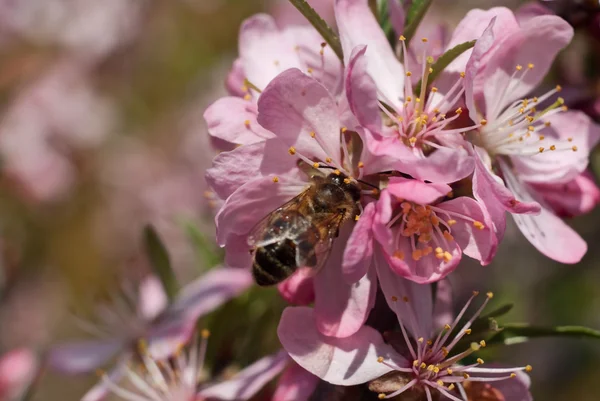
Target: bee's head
[[347, 184]]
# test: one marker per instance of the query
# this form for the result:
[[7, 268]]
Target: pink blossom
[[17, 369], [420, 361], [176, 378], [52, 122], [295, 384], [163, 326], [265, 51], [306, 119], [573, 198], [522, 144], [423, 232]]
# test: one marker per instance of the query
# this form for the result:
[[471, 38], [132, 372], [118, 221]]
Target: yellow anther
[[417, 254], [475, 293], [402, 38], [519, 67], [434, 90], [480, 361], [247, 96], [415, 363], [247, 123], [328, 160], [412, 141], [430, 368], [408, 74], [430, 70], [423, 365], [381, 396], [451, 222], [542, 137], [564, 108], [478, 225], [337, 172], [424, 40], [447, 326], [466, 375], [361, 164], [275, 179], [205, 333], [483, 122], [490, 295], [447, 256], [312, 134], [436, 369], [528, 368], [462, 74], [513, 375], [316, 165], [440, 383], [309, 70], [405, 299], [448, 236], [482, 343], [292, 150], [451, 386], [357, 217], [570, 139], [574, 148], [547, 123], [459, 110], [344, 129], [409, 99], [558, 88], [380, 359], [552, 147], [530, 66], [449, 371], [531, 128], [468, 331], [541, 149], [347, 180]]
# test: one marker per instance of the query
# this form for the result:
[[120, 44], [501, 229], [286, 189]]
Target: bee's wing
[[260, 229]]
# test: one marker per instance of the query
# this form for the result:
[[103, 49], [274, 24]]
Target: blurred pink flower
[[163, 326], [17, 369], [48, 127], [526, 146], [423, 234], [420, 360], [265, 51], [87, 28], [295, 384], [572, 198], [286, 14], [176, 378]]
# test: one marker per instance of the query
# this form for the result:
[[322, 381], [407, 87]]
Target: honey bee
[[300, 233]]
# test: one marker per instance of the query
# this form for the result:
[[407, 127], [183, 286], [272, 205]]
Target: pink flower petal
[[576, 197], [299, 288], [232, 169], [434, 167], [251, 202], [264, 50], [480, 244], [210, 291], [397, 15], [296, 107], [548, 233], [538, 42], [531, 10], [382, 64], [443, 311], [233, 119], [235, 79], [417, 191], [341, 308], [420, 299], [248, 381], [561, 166], [359, 250], [516, 389], [83, 356], [496, 198], [152, 298], [17, 369], [295, 384], [361, 91], [346, 361]]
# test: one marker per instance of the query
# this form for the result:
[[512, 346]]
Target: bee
[[300, 233]]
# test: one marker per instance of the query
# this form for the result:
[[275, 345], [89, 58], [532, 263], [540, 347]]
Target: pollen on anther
[[424, 40], [312, 134], [344, 129], [447, 326], [530, 66], [247, 96], [451, 222], [490, 295], [337, 172], [309, 70], [482, 343], [434, 90], [541, 149], [462, 74], [459, 110], [466, 375], [347, 180], [480, 361], [328, 160], [513, 375], [483, 122], [552, 147], [478, 225], [451, 386], [519, 67], [394, 298], [380, 359], [276, 179], [361, 164], [292, 150], [381, 396], [468, 331], [357, 217], [574, 148], [398, 255], [402, 38], [316, 165], [408, 73], [528, 368], [558, 88]]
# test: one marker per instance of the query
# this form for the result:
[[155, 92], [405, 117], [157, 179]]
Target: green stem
[[320, 25]]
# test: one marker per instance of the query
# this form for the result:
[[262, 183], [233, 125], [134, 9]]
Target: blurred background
[[101, 133]]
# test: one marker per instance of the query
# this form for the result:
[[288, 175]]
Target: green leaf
[[159, 259], [445, 59], [205, 250], [415, 14], [515, 333], [320, 25]]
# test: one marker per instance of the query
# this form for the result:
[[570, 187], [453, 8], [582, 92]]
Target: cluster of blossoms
[[441, 158]]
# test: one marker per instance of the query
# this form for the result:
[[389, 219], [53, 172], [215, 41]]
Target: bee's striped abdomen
[[275, 262]]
